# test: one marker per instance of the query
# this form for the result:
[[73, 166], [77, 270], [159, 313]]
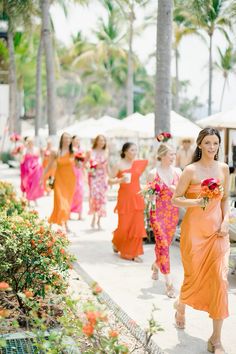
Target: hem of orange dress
[[130, 258], [205, 309]]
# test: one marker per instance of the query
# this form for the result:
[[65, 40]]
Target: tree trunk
[[176, 80], [163, 66], [130, 84], [38, 98], [14, 121], [210, 76], [48, 47], [223, 93]]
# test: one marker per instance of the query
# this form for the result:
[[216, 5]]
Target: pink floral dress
[[163, 221], [98, 184]]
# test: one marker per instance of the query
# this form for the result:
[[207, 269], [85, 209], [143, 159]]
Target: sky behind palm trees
[[193, 53]]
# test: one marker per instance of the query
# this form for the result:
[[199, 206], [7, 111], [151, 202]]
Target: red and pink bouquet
[[80, 156], [17, 150], [211, 188], [149, 191], [163, 137], [14, 137], [92, 167]]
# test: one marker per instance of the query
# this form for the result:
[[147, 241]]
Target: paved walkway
[[129, 284]]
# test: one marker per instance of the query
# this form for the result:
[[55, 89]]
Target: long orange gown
[[128, 237], [64, 187], [205, 258], [51, 172]]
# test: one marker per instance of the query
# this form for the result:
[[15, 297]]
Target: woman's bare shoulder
[[54, 153], [190, 168], [223, 165]]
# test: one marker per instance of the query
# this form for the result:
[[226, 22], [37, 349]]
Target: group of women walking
[[204, 230]]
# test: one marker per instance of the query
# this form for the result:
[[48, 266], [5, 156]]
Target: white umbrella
[[134, 126], [220, 120], [180, 127]]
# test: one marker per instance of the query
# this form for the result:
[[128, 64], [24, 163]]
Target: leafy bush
[[6, 156], [32, 257], [9, 200]]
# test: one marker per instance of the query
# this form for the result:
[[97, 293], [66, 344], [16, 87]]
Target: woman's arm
[[113, 179], [179, 199], [52, 159]]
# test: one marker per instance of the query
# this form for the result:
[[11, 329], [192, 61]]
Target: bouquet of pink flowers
[[92, 168], [17, 150], [15, 137], [79, 156], [151, 189], [211, 188], [163, 137]]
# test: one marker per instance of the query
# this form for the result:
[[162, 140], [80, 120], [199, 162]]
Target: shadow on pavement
[[188, 344]]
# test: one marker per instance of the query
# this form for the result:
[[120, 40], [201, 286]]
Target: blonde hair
[[163, 150]]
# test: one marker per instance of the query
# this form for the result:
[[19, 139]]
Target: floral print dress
[[98, 184], [163, 221]]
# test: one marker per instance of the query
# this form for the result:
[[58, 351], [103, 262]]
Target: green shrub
[[32, 257], [6, 156], [9, 200]]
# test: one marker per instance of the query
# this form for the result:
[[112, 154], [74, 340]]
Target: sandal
[[137, 260], [155, 271], [170, 291], [179, 316], [115, 250], [213, 347]]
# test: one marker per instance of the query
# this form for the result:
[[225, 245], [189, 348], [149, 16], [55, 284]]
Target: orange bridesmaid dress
[[205, 258], [64, 187], [128, 237], [50, 173]]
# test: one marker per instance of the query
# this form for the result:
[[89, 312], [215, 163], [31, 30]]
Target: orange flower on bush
[[92, 317], [88, 329], [4, 286], [113, 334], [4, 313], [96, 289], [29, 294]]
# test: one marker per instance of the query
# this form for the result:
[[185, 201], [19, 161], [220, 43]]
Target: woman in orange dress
[[128, 237], [165, 216], [65, 181], [46, 153], [204, 238]]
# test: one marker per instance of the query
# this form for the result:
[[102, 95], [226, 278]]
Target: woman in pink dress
[[77, 202], [98, 180], [33, 171], [22, 167], [164, 218]]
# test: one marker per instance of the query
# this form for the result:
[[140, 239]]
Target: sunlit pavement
[[130, 285]]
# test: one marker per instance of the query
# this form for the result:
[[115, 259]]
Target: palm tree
[[38, 91], [212, 15], [15, 12], [163, 66], [182, 27], [127, 8], [50, 70], [226, 66]]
